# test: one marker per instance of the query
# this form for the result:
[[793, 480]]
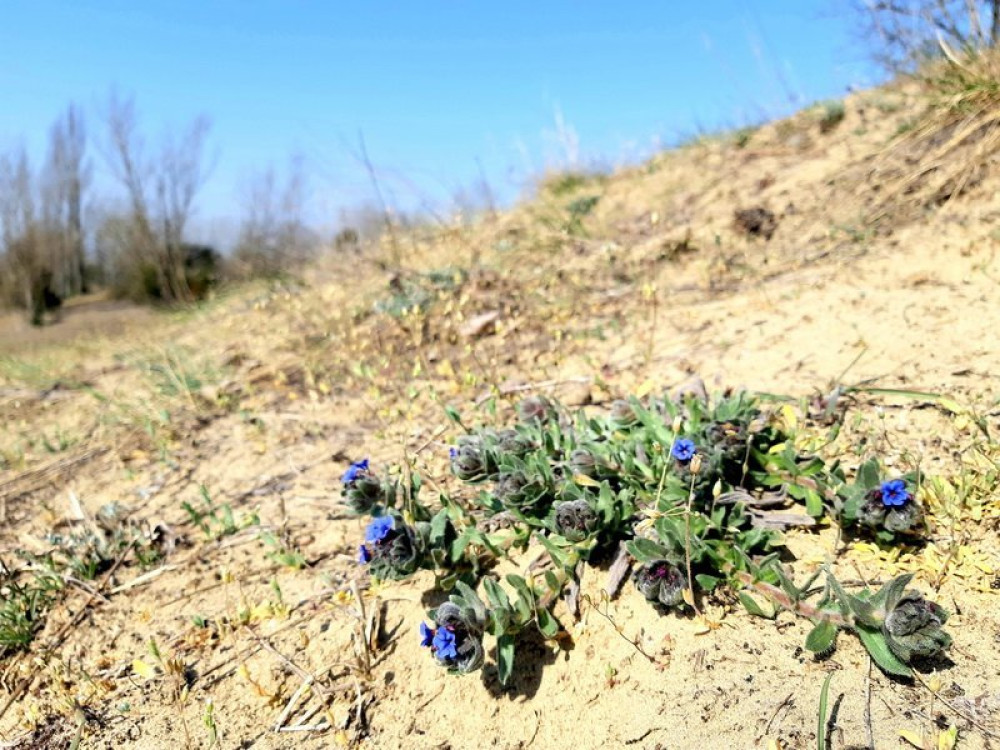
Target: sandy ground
[[263, 397]]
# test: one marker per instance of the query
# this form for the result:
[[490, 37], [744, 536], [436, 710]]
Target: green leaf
[[551, 582], [814, 504], [547, 624], [645, 550], [559, 556], [868, 474], [439, 528], [889, 595], [707, 582], [824, 694], [497, 596], [525, 597], [821, 637], [471, 600], [874, 642], [754, 608], [505, 657], [863, 611]]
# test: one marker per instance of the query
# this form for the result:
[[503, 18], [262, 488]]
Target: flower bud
[[575, 519], [913, 627], [535, 409], [468, 462], [513, 443], [364, 493], [662, 582], [457, 641], [391, 549], [696, 463], [516, 492]]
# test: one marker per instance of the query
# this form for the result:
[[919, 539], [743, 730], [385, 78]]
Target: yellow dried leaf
[[144, 670], [912, 737], [645, 388], [948, 738], [584, 481]]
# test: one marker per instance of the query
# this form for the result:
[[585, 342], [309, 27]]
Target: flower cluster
[[688, 490], [886, 507], [392, 549], [456, 640], [362, 490]]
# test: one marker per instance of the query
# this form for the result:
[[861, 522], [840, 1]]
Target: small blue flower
[[444, 644], [378, 529], [364, 555], [452, 452], [353, 470], [426, 635], [683, 450], [894, 492]]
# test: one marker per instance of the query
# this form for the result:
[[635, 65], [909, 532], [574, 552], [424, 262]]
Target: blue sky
[[443, 91]]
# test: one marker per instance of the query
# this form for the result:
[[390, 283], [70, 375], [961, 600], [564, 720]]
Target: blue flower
[[444, 644], [683, 450], [358, 467], [426, 635], [364, 555], [894, 492], [452, 452], [379, 529]]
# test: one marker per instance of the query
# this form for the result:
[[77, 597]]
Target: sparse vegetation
[[221, 599]]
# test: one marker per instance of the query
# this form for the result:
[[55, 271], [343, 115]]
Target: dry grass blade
[[953, 142]]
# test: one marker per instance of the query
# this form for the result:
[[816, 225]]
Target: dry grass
[[250, 408], [952, 144]]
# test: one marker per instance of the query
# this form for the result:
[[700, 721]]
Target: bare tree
[[907, 32], [66, 180], [160, 189], [274, 235], [32, 248]]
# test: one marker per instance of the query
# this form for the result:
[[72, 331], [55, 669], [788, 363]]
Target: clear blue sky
[[434, 86]]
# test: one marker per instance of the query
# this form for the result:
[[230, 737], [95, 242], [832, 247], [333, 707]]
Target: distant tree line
[[58, 240]]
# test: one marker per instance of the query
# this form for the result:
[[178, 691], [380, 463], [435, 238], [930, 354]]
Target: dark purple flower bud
[[362, 489], [913, 627], [394, 549], [575, 519], [535, 409], [513, 443], [469, 462], [516, 492], [661, 581]]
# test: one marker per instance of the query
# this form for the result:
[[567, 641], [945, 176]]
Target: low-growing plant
[[93, 548], [578, 210], [831, 114], [29, 592], [217, 521], [693, 492], [896, 624], [25, 598]]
